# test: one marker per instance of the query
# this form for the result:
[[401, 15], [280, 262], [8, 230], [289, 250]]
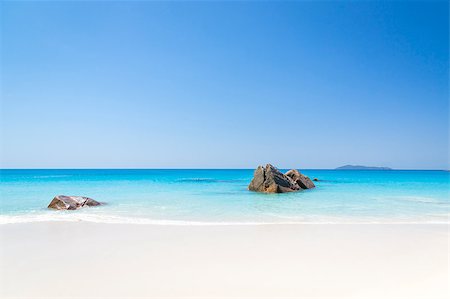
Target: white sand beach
[[93, 260]]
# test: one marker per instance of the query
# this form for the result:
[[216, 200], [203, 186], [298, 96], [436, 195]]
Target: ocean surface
[[196, 197]]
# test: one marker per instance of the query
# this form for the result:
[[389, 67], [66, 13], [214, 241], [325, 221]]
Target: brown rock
[[303, 181], [63, 202], [270, 180]]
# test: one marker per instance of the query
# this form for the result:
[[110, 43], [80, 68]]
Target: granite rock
[[64, 202], [302, 180], [269, 179]]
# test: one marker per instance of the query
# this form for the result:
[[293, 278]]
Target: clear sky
[[224, 84]]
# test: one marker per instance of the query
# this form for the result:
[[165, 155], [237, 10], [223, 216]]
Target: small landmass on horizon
[[361, 167]]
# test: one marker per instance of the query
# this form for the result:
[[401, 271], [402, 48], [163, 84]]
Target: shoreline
[[158, 222], [94, 260], [74, 217]]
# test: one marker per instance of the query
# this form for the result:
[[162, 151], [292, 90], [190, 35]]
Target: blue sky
[[224, 84]]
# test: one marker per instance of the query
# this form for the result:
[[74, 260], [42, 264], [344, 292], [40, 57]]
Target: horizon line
[[187, 168]]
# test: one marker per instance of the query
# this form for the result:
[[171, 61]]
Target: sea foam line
[[112, 219]]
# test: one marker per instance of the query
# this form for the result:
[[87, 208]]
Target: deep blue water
[[221, 196]]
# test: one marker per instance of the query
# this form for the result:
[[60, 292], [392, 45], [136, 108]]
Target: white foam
[[113, 219]]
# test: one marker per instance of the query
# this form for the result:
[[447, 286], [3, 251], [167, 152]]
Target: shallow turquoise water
[[221, 196]]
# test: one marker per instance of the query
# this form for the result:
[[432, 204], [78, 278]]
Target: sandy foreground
[[92, 260]]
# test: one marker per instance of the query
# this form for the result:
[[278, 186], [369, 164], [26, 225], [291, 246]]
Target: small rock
[[63, 202]]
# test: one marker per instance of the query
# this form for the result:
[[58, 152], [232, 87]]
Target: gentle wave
[[111, 219], [116, 220], [419, 199], [50, 176], [206, 180]]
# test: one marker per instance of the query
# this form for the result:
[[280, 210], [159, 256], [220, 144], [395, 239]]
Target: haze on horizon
[[224, 84]]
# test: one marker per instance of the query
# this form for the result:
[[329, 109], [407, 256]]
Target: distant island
[[360, 167]]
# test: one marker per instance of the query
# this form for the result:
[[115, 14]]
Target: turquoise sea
[[221, 197]]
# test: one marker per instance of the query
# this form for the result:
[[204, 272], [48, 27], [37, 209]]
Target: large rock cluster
[[63, 202], [270, 180]]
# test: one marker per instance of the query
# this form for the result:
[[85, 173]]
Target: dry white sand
[[91, 260]]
